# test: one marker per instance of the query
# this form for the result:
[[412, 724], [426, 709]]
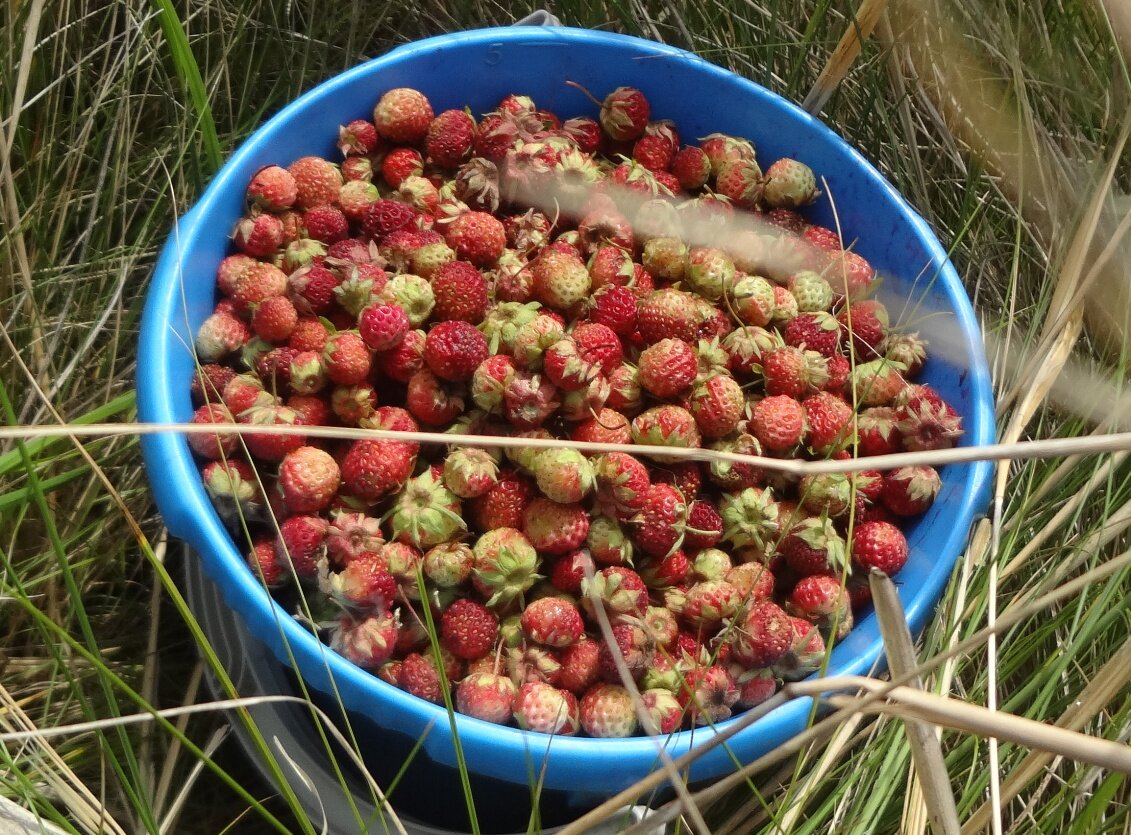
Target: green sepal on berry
[[425, 512]]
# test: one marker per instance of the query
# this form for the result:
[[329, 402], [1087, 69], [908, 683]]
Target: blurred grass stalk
[[997, 120]]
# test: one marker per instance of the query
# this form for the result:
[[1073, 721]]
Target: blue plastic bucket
[[477, 69]]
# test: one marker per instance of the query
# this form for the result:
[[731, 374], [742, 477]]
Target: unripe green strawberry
[[608, 543], [753, 300], [470, 472], [710, 272], [449, 564], [563, 475], [607, 712], [789, 184], [546, 709], [666, 258], [812, 292], [505, 565], [425, 512], [413, 294], [751, 517]]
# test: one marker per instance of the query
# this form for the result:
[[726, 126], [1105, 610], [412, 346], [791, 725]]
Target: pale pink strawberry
[[560, 281], [272, 188], [705, 605], [350, 534], [822, 600], [470, 472], [546, 709], [607, 712], [258, 236], [366, 641], [552, 621], [711, 564], [212, 446], [754, 300], [425, 512], [487, 696], [403, 116], [754, 580], [924, 425], [529, 400], [317, 181], [663, 709], [308, 479], [708, 695]]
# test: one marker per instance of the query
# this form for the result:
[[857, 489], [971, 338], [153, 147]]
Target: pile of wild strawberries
[[403, 287]]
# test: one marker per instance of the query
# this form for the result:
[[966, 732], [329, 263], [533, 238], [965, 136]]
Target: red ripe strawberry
[[828, 422], [403, 361], [659, 525], [274, 319], [910, 491], [504, 504], [704, 525], [312, 409], [308, 334], [877, 433], [653, 152], [566, 368], [778, 422], [788, 220], [460, 291], [611, 266], [454, 349], [374, 469], [301, 544], [271, 447], [580, 665], [263, 564], [385, 216], [400, 164], [209, 381], [325, 223], [358, 138], [567, 572], [685, 476], [598, 344], [625, 113], [382, 326], [317, 181], [272, 188], [672, 570], [308, 479], [668, 368], [868, 323], [794, 372], [450, 138], [620, 590], [622, 482], [259, 282], [666, 426], [357, 168], [691, 167], [555, 528], [717, 404], [615, 308], [634, 647], [605, 426], [420, 677], [311, 288], [364, 583], [477, 237], [346, 358], [585, 132], [822, 238], [468, 629], [817, 331], [607, 712], [367, 641], [822, 600], [763, 634], [552, 621], [216, 446], [708, 695], [487, 696], [879, 545], [432, 400], [669, 313], [402, 116], [545, 709], [924, 425], [722, 149]]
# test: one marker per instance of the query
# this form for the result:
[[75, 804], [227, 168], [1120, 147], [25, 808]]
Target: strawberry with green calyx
[[367, 641], [733, 476], [706, 604], [505, 565], [754, 580], [907, 349], [877, 382], [750, 517], [812, 292], [234, 489], [667, 572], [364, 585], [350, 534], [667, 425], [271, 447], [566, 368], [607, 541], [923, 425], [760, 636], [533, 338], [814, 546], [711, 564], [818, 331], [910, 491], [449, 564], [621, 482], [744, 347], [425, 512], [722, 149], [470, 472], [751, 299], [413, 294], [793, 371], [619, 590], [805, 654], [827, 494], [529, 400], [502, 323]]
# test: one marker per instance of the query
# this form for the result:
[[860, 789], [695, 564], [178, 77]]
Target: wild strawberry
[[741, 182], [448, 564], [470, 472], [326, 223], [274, 319], [906, 349], [450, 138], [560, 281], [634, 647], [805, 654], [658, 528], [454, 349], [527, 662], [567, 571], [256, 284], [704, 525], [555, 528], [827, 494], [625, 394], [468, 629], [615, 308], [691, 167], [272, 188], [666, 258], [603, 426], [877, 382], [317, 181], [271, 447], [785, 307], [750, 518], [486, 696], [552, 621], [258, 236], [400, 164], [619, 590], [403, 361], [828, 423], [879, 545], [685, 476], [503, 505], [668, 313], [850, 274], [910, 491], [374, 469], [924, 425], [301, 544], [366, 641], [794, 372], [346, 358], [789, 184], [529, 400], [818, 332], [212, 446], [566, 368], [761, 635], [753, 580], [351, 534], [563, 475], [667, 368], [477, 237], [607, 542], [385, 216], [753, 300], [722, 149], [666, 426], [460, 292], [708, 695], [624, 114], [363, 584], [403, 116], [822, 600], [778, 422], [308, 479], [382, 326], [263, 564], [705, 605], [505, 565], [545, 709], [607, 712], [357, 138], [621, 482], [420, 676], [425, 512], [814, 547], [877, 433], [663, 709], [604, 227]]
